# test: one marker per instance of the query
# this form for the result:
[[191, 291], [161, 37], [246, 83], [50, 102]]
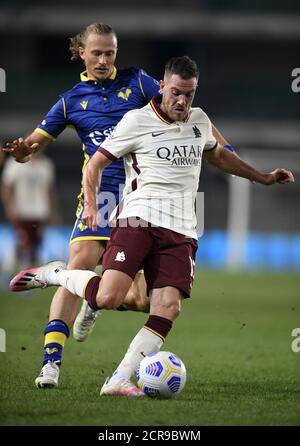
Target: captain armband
[[230, 148]]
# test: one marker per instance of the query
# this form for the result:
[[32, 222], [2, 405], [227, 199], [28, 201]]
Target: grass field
[[234, 337]]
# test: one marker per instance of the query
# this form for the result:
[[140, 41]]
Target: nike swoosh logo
[[154, 134]]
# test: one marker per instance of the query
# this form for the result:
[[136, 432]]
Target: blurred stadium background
[[246, 51]]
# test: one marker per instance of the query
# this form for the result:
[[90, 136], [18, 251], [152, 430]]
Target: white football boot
[[31, 278], [85, 322], [48, 377], [120, 386]]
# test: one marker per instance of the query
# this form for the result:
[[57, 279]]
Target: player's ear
[[81, 52], [161, 85]]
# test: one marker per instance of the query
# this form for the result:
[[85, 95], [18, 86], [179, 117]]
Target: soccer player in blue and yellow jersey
[[93, 107]]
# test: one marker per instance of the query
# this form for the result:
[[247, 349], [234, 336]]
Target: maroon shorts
[[168, 258]]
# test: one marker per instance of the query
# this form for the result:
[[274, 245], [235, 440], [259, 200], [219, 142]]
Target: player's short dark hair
[[185, 67], [80, 38]]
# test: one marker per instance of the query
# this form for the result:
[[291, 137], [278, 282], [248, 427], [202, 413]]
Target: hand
[[20, 149], [90, 217], [279, 175]]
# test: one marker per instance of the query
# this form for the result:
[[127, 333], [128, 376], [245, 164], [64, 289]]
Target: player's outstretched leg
[[39, 277], [136, 300]]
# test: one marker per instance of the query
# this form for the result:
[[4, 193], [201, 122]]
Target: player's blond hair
[[80, 38]]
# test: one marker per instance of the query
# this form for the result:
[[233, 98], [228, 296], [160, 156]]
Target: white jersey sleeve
[[211, 141], [123, 140]]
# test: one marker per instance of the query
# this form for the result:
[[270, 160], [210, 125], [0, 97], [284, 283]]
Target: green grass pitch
[[234, 337]]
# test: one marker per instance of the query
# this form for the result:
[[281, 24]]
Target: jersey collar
[[84, 77], [155, 105]]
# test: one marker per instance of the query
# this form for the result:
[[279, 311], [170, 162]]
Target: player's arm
[[221, 140], [121, 142], [230, 163], [91, 183], [219, 137], [54, 123], [22, 148]]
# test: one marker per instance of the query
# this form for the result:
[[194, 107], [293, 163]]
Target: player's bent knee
[[143, 304], [109, 301], [134, 300]]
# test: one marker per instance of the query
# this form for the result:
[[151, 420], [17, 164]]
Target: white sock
[[74, 280], [145, 342]]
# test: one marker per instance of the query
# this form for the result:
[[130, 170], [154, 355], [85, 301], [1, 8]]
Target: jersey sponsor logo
[[84, 104], [183, 155], [154, 134], [98, 137], [120, 257], [124, 93]]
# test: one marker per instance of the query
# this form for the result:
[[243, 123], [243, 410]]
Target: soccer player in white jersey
[[162, 144]]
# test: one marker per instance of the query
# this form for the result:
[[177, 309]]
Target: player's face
[[99, 55], [178, 95]]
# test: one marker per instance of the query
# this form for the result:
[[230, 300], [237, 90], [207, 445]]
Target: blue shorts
[[109, 201]]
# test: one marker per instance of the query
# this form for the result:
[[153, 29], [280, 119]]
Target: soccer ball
[[161, 375]]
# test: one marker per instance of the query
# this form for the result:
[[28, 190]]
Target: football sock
[[56, 333], [148, 340], [91, 291], [76, 281]]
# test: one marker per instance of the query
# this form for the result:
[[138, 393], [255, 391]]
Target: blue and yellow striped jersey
[[94, 109]]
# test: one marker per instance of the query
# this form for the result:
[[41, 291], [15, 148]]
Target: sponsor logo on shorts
[[120, 257]]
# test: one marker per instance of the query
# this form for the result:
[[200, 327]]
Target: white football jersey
[[31, 182], [162, 163]]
